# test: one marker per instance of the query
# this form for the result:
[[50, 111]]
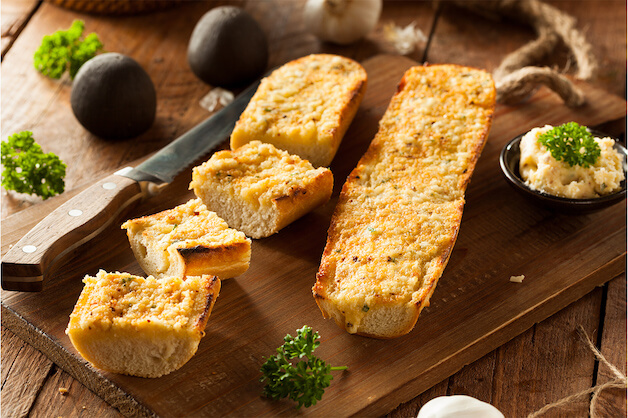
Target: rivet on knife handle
[[26, 264]]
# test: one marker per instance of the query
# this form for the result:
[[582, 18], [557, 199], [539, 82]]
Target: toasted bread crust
[[212, 288], [304, 107], [226, 261], [301, 200], [399, 212]]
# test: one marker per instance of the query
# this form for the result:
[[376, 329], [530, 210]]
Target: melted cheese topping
[[543, 172], [399, 212], [116, 300], [256, 173]]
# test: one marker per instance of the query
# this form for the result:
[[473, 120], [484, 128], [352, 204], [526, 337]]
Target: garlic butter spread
[[543, 172]]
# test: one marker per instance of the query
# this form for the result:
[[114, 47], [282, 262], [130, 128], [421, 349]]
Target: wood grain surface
[[520, 376]]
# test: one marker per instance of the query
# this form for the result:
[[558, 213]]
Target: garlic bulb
[[458, 406], [341, 21]]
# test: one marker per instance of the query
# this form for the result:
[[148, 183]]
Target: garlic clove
[[216, 97], [341, 21], [458, 406], [405, 40]]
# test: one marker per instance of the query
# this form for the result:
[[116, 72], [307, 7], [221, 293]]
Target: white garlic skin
[[341, 21], [458, 406]]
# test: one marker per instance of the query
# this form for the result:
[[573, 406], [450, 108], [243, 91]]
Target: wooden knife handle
[[25, 265]]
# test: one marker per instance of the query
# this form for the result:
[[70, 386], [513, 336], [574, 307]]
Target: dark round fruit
[[227, 48], [113, 97]]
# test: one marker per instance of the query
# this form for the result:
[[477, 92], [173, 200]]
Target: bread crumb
[[517, 279], [63, 391]]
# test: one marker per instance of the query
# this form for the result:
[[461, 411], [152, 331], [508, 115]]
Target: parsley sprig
[[28, 170], [303, 381], [571, 143], [65, 50]]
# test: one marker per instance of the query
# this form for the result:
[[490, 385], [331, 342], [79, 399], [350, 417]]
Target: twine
[[516, 78], [528, 54], [618, 382], [522, 83]]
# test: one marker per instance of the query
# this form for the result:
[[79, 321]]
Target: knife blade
[[27, 265]]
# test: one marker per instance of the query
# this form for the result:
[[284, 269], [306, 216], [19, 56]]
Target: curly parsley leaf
[[28, 170], [64, 51], [304, 381], [571, 143]]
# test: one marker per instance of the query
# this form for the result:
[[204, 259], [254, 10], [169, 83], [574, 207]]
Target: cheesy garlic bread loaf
[[188, 240], [143, 327], [304, 107], [259, 189], [399, 212]]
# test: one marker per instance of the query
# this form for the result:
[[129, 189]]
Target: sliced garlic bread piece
[[259, 189], [399, 212], [188, 240], [304, 107], [143, 327]]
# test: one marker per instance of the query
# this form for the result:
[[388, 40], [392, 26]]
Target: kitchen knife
[[28, 263]]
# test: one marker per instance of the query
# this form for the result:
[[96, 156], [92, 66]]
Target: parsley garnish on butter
[[303, 380], [571, 143], [28, 170], [65, 50]]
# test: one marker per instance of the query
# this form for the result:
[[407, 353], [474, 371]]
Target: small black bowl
[[509, 163]]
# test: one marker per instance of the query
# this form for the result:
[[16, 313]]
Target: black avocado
[[227, 48], [113, 97]]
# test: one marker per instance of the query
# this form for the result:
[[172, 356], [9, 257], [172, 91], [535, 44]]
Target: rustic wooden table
[[542, 365]]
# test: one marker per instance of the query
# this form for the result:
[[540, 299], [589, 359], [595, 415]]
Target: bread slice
[[188, 240], [399, 212], [139, 326], [304, 107], [259, 189]]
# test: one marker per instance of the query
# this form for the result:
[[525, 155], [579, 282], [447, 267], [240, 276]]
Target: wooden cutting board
[[475, 307]]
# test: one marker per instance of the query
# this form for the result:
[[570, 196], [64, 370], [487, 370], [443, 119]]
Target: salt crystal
[[216, 96]]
